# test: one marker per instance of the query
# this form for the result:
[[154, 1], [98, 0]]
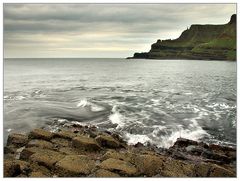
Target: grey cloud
[[58, 25]]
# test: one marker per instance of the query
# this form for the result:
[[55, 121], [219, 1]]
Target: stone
[[41, 134], [60, 142], [11, 168], [27, 152], [126, 156], [201, 170], [149, 165], [122, 167], [85, 143], [17, 139], [37, 174], [107, 141], [40, 143], [105, 173], [218, 171], [177, 168], [46, 158], [65, 134], [183, 142], [74, 165]]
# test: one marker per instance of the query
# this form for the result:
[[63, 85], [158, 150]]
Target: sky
[[99, 30]]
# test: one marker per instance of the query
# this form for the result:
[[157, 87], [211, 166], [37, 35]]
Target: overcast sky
[[100, 30]]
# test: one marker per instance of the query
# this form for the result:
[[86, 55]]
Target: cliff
[[203, 42]]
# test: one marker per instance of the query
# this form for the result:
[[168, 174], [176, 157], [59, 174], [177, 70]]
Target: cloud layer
[[100, 30]]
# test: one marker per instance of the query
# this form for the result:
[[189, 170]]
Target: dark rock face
[[69, 154], [202, 42]]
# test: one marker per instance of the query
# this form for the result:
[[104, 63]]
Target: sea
[[147, 101]]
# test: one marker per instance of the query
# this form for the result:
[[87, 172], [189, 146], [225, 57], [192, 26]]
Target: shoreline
[[85, 151]]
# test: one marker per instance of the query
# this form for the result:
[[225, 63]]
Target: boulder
[[74, 165], [17, 139], [122, 167], [41, 134], [37, 174], [11, 168], [27, 152], [183, 142], [85, 143], [62, 142], [105, 173], [40, 143], [126, 156], [107, 141], [177, 168], [218, 171], [149, 165], [46, 158], [65, 134]]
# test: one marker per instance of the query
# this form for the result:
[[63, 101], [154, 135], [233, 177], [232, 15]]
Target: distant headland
[[202, 42]]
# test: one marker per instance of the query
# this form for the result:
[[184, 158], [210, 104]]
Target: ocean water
[[153, 101]]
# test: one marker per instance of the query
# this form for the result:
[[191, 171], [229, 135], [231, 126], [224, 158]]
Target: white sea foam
[[93, 107], [135, 138], [116, 117]]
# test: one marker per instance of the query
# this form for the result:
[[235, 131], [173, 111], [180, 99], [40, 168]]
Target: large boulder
[[107, 141], [74, 165], [41, 134], [105, 173], [85, 143], [17, 139], [126, 156], [122, 167], [46, 158]]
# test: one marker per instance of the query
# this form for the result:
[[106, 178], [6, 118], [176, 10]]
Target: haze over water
[[153, 101]]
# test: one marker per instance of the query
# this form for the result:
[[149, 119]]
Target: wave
[[92, 106]]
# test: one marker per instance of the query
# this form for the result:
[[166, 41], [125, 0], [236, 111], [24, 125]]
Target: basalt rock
[[69, 154]]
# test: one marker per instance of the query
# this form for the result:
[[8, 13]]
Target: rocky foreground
[[84, 151]]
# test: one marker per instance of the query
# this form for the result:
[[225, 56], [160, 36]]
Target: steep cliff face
[[204, 42]]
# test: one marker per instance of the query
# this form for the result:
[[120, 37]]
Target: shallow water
[[144, 100]]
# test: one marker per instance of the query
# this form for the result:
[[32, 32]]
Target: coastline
[[86, 151]]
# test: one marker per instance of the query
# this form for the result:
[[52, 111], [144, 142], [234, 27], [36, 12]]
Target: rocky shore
[[85, 151]]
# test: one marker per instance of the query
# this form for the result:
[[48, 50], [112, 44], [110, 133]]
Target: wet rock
[[11, 168], [17, 139], [105, 173], [41, 134], [65, 134], [183, 142], [75, 165], [40, 143], [177, 168], [60, 142], [107, 141], [46, 158], [218, 171], [27, 152], [11, 149], [37, 174], [122, 167], [126, 156], [85, 143], [201, 170], [149, 165]]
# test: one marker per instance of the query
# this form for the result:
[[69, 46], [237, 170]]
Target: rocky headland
[[201, 42], [85, 151]]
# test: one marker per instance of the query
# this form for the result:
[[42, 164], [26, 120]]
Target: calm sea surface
[[153, 101]]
